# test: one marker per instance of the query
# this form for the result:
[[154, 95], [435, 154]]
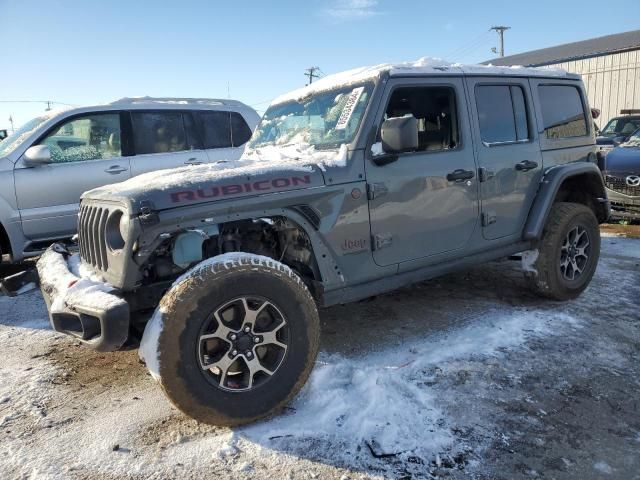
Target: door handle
[[526, 165], [460, 175], [115, 169], [193, 161]]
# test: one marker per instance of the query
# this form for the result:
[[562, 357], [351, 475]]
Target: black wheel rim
[[243, 343], [575, 253]]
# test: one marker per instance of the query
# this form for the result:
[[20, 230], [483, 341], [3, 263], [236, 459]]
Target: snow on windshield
[[306, 129]]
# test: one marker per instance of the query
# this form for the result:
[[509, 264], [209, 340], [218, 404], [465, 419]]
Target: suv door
[[508, 153], [164, 139], [424, 203], [224, 134], [87, 151]]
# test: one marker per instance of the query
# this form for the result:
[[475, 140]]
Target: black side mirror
[[400, 134]]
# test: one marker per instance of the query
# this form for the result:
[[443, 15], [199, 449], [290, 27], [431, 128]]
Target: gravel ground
[[467, 376]]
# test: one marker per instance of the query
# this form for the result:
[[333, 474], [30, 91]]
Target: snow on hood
[[422, 66], [260, 172]]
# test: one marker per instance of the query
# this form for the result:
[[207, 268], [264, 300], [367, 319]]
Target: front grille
[[92, 222], [619, 185]]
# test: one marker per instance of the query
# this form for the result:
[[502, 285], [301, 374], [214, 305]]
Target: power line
[[48, 102], [500, 30], [472, 44], [310, 72]]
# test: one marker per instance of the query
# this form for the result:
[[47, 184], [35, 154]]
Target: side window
[[91, 137], [502, 113], [216, 128], [435, 110], [158, 132], [562, 111], [240, 131]]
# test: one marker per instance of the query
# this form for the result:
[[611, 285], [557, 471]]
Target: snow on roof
[[178, 101], [423, 66]]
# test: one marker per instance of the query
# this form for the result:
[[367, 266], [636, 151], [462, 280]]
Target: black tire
[[551, 274], [192, 302]]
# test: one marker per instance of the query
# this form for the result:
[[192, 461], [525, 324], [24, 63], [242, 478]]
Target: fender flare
[[549, 187]]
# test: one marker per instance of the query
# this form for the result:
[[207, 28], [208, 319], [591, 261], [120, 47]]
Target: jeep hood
[[164, 189]]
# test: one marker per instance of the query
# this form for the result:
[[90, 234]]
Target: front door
[[424, 203], [508, 153], [86, 153]]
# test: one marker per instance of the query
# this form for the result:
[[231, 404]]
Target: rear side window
[[502, 113], [216, 128], [562, 111], [159, 132], [240, 131]]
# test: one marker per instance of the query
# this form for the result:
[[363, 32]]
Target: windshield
[[634, 140], [324, 120], [14, 140], [621, 126]]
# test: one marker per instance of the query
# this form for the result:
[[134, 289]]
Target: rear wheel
[[239, 339], [568, 252]]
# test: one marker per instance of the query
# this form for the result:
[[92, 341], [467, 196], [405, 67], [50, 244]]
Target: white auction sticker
[[349, 107]]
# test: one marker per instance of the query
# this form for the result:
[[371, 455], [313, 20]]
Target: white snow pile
[[72, 283], [149, 345], [381, 399], [422, 66]]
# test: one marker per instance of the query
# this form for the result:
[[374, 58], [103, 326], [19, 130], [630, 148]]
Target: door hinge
[[148, 215], [488, 218], [382, 240], [375, 190], [484, 174]]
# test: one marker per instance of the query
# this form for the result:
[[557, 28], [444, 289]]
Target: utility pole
[[500, 30], [310, 72], [11, 122], [48, 106]]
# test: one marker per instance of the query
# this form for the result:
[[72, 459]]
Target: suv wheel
[[568, 252], [239, 339]]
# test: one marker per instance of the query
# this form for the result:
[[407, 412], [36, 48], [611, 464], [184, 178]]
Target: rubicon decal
[[220, 191]]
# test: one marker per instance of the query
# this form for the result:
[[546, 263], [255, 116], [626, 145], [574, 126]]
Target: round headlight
[[116, 229]]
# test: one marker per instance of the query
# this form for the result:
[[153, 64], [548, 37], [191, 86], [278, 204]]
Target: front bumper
[[82, 307], [624, 206]]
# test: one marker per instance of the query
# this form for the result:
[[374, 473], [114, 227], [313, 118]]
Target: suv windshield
[[324, 120], [12, 142], [621, 126]]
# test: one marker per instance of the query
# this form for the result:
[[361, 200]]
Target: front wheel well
[[586, 189]]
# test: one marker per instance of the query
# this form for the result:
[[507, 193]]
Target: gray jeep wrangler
[[354, 186]]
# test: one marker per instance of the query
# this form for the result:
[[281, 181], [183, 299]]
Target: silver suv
[[48, 163]]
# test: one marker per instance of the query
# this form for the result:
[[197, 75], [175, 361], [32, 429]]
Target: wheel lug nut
[[256, 339], [234, 353], [247, 329], [233, 336], [249, 354]]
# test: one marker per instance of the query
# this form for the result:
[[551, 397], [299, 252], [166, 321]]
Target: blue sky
[[82, 52]]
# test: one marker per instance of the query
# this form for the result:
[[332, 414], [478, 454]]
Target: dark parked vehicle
[[3, 134], [618, 130], [622, 178], [356, 185]]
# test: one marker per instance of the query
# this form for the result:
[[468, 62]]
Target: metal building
[[610, 69]]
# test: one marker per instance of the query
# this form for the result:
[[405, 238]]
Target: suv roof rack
[[178, 101]]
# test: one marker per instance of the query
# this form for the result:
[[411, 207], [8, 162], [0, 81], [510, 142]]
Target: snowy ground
[[468, 376]]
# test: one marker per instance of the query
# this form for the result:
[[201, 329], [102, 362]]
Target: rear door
[[224, 134], [164, 139], [87, 151], [508, 152], [424, 203]]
